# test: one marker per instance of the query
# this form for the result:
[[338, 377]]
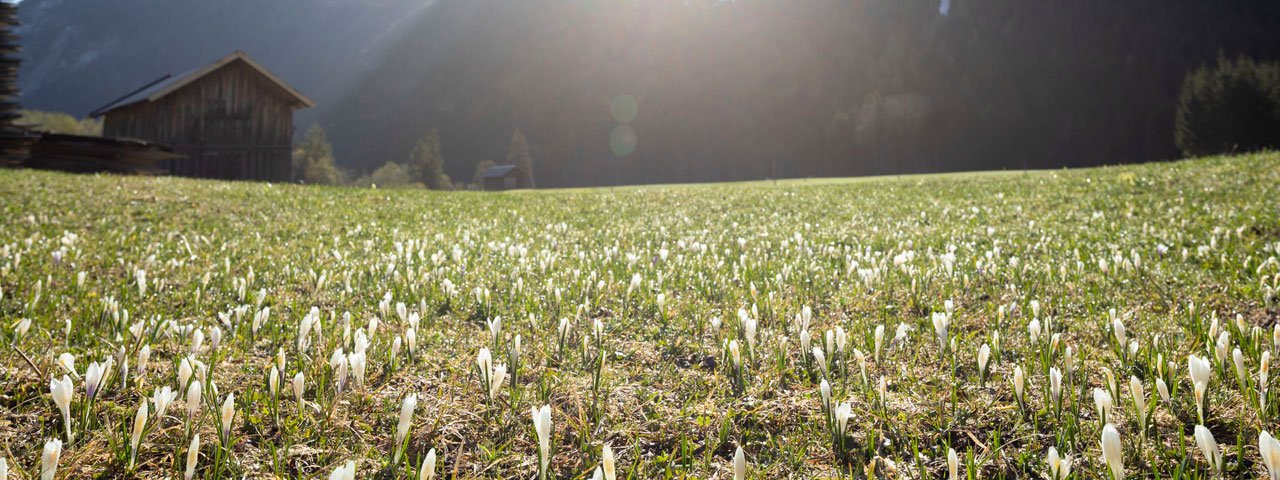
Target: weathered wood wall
[[231, 124]]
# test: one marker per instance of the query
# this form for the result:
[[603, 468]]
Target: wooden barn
[[231, 119], [503, 177]]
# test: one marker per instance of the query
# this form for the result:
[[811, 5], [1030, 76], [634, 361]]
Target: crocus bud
[[984, 357], [139, 423], [299, 386], [607, 463], [825, 390], [193, 455], [273, 382], [346, 472], [953, 464], [1112, 453], [92, 377], [1102, 402], [1117, 328], [821, 359], [49, 459], [227, 414], [402, 426], [1138, 394], [542, 427], [879, 341], [1019, 383], [184, 372], [739, 465], [1209, 447], [1269, 448], [144, 354], [1237, 358], [428, 469]]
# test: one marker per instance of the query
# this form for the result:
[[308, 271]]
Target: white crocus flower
[[1209, 447], [184, 372], [495, 328], [144, 355], [139, 424], [227, 414], [193, 401], [735, 353], [1059, 468], [428, 469], [879, 341], [1269, 448], [358, 365], [1112, 452], [299, 387], [940, 324], [193, 455], [1055, 384], [49, 459], [1139, 397], [273, 382], [953, 464], [162, 397], [1102, 402], [984, 359], [739, 465], [1201, 373], [1117, 328], [607, 462], [402, 425], [346, 472], [1019, 383], [821, 359], [542, 427], [496, 379], [1163, 389], [1237, 358], [92, 378], [63, 391], [843, 413]]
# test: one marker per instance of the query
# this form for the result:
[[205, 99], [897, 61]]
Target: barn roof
[[170, 83], [498, 171]]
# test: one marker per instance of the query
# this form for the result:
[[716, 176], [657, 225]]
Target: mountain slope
[[79, 55], [765, 89]]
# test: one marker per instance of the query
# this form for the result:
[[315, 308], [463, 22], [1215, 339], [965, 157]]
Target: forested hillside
[[760, 88]]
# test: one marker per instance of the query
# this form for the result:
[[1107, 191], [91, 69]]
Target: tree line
[[1231, 106], [313, 163]]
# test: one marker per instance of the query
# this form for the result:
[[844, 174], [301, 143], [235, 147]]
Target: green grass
[[1181, 251]]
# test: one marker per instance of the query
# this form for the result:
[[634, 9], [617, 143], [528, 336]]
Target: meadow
[[1111, 322]]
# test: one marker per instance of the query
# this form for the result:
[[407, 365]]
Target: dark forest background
[[642, 91]]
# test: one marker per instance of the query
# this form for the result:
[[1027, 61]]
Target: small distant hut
[[231, 119], [503, 177]]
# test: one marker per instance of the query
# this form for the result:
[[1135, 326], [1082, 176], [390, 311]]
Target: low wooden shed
[[231, 119], [503, 177]]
